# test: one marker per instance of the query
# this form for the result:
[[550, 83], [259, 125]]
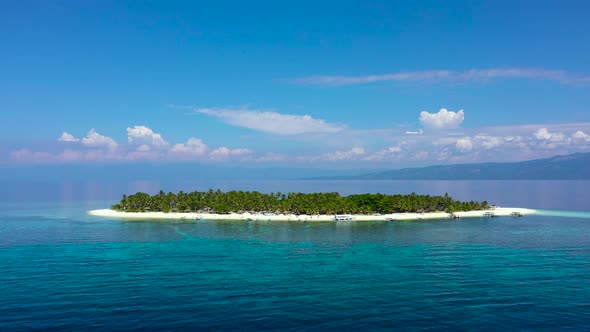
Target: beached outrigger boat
[[342, 217]]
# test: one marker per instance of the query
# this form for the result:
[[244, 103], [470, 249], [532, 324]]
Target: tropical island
[[253, 205]]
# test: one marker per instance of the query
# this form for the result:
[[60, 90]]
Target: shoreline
[[497, 212]]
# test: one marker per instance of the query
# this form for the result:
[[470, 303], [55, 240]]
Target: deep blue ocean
[[64, 270]]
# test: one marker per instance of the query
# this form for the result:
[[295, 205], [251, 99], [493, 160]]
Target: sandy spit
[[499, 211]]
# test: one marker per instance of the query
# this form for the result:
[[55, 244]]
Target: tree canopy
[[216, 201]]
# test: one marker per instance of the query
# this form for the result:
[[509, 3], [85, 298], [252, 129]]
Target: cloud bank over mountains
[[385, 147], [439, 140]]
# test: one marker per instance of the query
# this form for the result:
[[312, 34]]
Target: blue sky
[[316, 84]]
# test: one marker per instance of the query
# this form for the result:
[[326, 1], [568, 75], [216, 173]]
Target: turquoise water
[[65, 270], [564, 214]]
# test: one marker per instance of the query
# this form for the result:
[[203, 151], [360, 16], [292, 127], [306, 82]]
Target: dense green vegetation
[[296, 203]]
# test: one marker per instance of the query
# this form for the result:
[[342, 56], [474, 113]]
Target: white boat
[[342, 217]]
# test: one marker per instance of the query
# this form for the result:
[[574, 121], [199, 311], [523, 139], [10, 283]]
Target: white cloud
[[94, 139], [551, 140], [224, 153], [464, 144], [67, 137], [272, 122], [417, 132], [194, 147], [483, 142], [533, 143], [433, 76], [478, 142], [385, 154], [143, 148], [220, 153], [444, 119], [143, 135], [240, 152], [542, 134], [490, 142], [580, 136], [344, 155], [493, 143]]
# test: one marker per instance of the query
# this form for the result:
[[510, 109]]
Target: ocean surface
[[64, 270]]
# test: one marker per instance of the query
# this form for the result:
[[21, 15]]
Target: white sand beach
[[497, 212]]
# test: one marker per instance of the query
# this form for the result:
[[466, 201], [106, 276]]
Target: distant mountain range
[[570, 167]]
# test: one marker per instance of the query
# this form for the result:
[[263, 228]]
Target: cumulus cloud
[[497, 143], [532, 144], [580, 136], [272, 122], [193, 148], [392, 152], [144, 144], [444, 119], [464, 144], [479, 142], [344, 155], [67, 137], [491, 142], [143, 135], [551, 140], [542, 134], [143, 148], [94, 139], [433, 76], [482, 142], [223, 153]]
